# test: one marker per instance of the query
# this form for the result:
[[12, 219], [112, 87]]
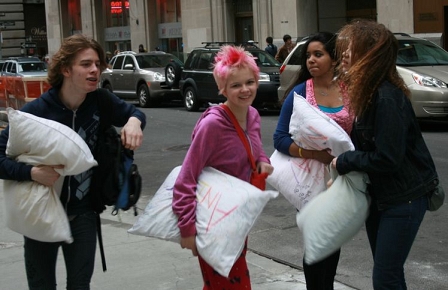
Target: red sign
[[116, 7]]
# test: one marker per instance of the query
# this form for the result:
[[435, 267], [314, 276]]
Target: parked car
[[23, 67], [198, 87], [140, 76], [422, 64]]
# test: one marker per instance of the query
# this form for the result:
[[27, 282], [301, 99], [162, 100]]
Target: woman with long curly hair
[[389, 147]]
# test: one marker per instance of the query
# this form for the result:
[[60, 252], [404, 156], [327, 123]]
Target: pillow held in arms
[[32, 209], [299, 179], [227, 208], [334, 216]]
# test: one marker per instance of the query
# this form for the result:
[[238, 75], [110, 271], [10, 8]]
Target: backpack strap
[[105, 106]]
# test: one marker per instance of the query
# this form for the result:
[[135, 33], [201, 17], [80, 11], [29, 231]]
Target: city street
[[276, 235]]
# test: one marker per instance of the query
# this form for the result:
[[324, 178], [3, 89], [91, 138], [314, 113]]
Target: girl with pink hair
[[215, 143]]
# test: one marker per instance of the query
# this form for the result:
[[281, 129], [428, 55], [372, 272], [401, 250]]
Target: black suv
[[198, 87]]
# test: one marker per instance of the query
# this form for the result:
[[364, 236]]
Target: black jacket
[[85, 121], [391, 150]]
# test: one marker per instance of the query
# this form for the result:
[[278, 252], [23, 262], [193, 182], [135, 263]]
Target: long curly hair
[[66, 54], [374, 51], [230, 58]]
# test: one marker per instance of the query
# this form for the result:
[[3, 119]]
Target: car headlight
[[428, 81], [264, 77], [159, 77]]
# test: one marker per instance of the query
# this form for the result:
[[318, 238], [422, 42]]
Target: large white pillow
[[42, 141], [299, 179], [227, 208], [32, 209], [334, 216], [310, 128]]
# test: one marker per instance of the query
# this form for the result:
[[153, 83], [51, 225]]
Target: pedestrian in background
[[270, 48], [283, 52], [216, 143], [141, 48], [73, 101], [315, 81], [389, 147]]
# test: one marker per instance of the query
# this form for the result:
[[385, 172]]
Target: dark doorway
[[244, 29]]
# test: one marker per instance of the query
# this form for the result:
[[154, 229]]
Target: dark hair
[[66, 54], [328, 39], [286, 37], [269, 40], [374, 51]]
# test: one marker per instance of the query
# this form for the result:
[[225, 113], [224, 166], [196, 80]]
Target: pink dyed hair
[[230, 58]]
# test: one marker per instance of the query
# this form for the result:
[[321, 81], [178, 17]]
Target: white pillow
[[227, 209], [32, 209], [297, 179], [42, 141], [310, 128], [334, 216], [158, 220]]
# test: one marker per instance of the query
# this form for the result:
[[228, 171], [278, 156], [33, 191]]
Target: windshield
[[420, 52], [32, 67], [151, 61], [264, 59]]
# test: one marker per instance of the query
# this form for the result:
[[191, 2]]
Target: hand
[[189, 243], [322, 156], [45, 174], [132, 134], [333, 162], [265, 167]]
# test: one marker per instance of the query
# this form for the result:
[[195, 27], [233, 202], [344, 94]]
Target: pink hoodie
[[215, 143]]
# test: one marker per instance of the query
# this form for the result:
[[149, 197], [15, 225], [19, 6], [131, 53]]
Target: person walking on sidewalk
[[216, 143], [316, 83], [389, 147], [73, 101], [284, 51], [271, 48]]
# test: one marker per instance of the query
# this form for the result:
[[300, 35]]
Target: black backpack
[[116, 180]]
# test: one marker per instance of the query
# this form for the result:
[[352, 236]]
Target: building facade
[[178, 26]]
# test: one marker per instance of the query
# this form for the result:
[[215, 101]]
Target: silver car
[[422, 64], [140, 76], [23, 67]]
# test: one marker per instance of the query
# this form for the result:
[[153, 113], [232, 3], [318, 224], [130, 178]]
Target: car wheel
[[108, 87], [172, 74], [191, 102], [143, 96]]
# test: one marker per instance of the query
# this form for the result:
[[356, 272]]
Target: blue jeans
[[79, 256], [391, 234]]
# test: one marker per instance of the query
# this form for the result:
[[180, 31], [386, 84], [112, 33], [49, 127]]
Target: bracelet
[[300, 152]]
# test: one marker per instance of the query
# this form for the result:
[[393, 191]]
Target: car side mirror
[[129, 66]]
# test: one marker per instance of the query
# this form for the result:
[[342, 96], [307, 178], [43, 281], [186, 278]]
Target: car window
[[296, 54], [264, 59], [119, 62], [204, 61], [32, 66], [128, 61], [13, 68], [420, 53]]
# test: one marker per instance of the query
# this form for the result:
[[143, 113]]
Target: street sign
[[28, 45], [8, 23]]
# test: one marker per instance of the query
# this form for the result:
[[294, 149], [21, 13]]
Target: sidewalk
[[136, 262]]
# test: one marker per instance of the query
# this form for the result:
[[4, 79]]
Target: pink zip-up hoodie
[[215, 143]]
